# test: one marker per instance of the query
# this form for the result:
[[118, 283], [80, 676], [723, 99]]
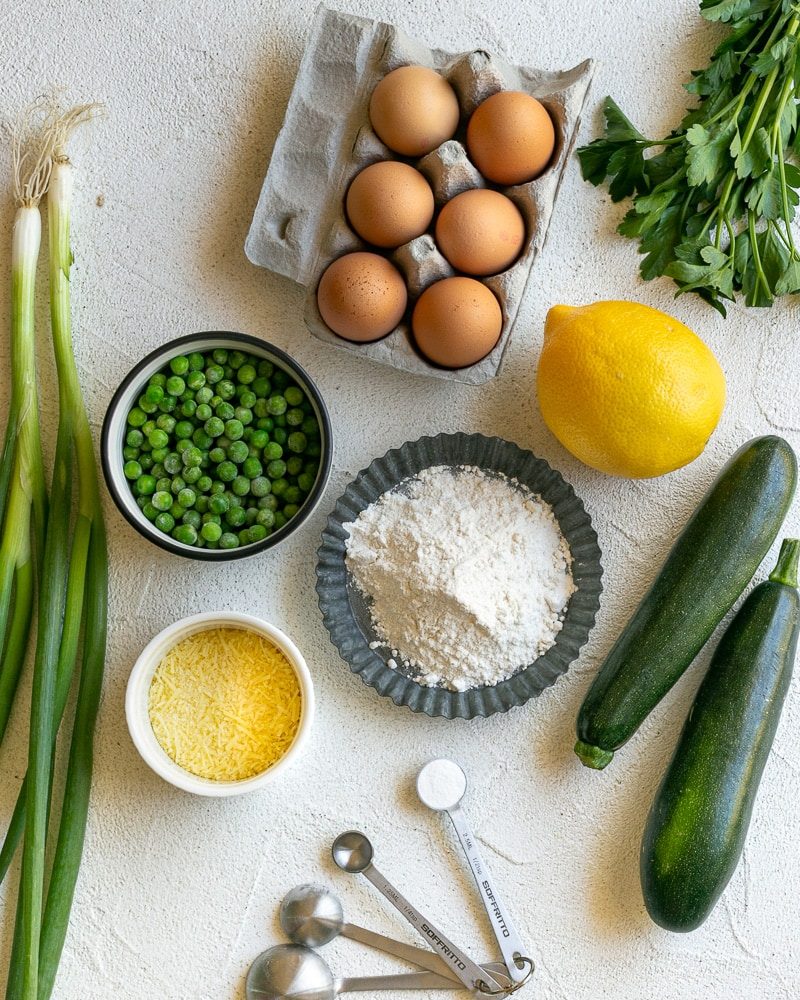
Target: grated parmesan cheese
[[225, 704]]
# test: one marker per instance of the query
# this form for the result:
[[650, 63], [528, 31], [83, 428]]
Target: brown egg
[[480, 232], [456, 322], [511, 137], [362, 297], [414, 109], [389, 203]]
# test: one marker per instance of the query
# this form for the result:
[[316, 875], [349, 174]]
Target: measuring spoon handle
[[408, 952], [401, 981], [469, 972], [507, 937]]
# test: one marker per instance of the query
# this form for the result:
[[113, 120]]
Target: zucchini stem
[[786, 569]]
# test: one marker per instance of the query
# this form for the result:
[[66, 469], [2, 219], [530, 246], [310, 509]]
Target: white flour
[[468, 576]]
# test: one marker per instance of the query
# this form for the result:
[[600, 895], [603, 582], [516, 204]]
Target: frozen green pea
[[238, 452], [158, 438], [295, 417], [280, 486], [134, 438], [175, 385], [218, 504], [130, 454], [173, 463], [258, 532], [306, 482], [294, 395], [192, 517], [204, 396], [164, 521], [201, 439], [227, 471], [186, 497], [251, 467], [185, 533], [179, 365], [297, 442], [265, 517], [241, 486], [309, 426], [217, 455], [294, 465], [273, 451], [132, 470], [162, 500], [195, 380], [147, 405], [192, 474], [276, 405], [203, 412], [211, 532], [290, 510], [137, 417], [192, 456], [228, 540], [261, 387], [236, 517], [234, 429], [276, 469], [146, 485]]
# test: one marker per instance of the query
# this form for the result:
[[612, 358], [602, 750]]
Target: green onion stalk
[[74, 594], [23, 495]]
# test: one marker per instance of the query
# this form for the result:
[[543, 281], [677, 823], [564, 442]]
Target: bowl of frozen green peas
[[216, 446]]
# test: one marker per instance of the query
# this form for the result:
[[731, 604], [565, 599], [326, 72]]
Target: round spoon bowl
[[311, 915], [352, 852], [289, 972]]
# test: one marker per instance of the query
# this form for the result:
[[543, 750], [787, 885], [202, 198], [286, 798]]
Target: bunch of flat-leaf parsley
[[713, 202]]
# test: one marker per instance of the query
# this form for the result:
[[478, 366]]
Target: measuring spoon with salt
[[441, 785]]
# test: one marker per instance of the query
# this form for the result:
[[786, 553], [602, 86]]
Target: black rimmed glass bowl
[[126, 396], [346, 613]]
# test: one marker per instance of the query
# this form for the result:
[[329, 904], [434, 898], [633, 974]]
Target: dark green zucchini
[[709, 566], [698, 824]]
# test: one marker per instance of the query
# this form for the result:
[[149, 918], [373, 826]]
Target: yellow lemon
[[627, 389]]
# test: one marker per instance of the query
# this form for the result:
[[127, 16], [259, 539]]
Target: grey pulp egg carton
[[299, 225]]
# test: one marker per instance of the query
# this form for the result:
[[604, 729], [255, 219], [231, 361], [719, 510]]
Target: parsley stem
[[761, 278]]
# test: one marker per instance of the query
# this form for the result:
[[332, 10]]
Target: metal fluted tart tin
[[346, 613]]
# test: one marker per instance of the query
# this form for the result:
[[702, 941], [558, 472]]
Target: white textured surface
[[178, 894]]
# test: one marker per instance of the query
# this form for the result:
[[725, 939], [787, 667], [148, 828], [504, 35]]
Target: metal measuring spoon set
[[311, 916]]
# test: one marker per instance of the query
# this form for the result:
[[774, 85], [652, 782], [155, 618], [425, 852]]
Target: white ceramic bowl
[[138, 715]]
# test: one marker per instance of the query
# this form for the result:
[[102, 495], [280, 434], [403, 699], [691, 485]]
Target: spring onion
[[73, 595], [22, 483]]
